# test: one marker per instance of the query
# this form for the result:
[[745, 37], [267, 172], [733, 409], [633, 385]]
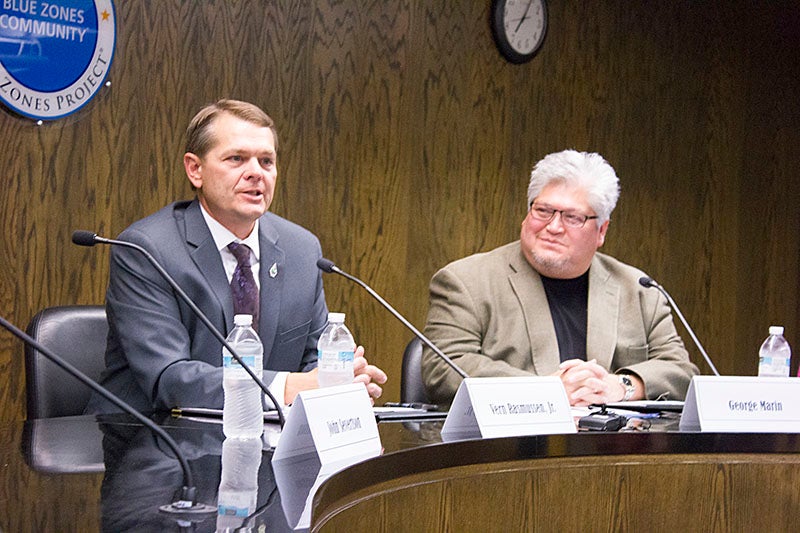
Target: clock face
[[519, 27]]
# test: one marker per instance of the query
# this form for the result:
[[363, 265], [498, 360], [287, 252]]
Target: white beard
[[550, 266]]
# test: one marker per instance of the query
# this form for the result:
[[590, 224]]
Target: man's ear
[[601, 235], [193, 166]]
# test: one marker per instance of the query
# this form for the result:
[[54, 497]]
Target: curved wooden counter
[[580, 482]]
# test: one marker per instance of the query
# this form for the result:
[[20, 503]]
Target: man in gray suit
[[159, 355], [550, 304]]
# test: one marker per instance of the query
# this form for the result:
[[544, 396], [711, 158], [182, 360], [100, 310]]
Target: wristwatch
[[630, 389]]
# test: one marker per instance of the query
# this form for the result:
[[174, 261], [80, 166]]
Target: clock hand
[[524, 15]]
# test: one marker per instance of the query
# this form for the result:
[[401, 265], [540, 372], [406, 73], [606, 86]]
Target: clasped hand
[[588, 383]]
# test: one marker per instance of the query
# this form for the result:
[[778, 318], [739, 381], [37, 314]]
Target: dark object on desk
[[402, 415], [413, 405], [204, 412], [647, 406], [78, 334], [602, 421]]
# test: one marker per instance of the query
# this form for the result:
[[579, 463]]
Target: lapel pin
[[273, 270]]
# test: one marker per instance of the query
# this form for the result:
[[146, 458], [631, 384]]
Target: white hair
[[586, 170]]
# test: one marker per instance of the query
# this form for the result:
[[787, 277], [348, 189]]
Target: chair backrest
[[412, 388], [77, 334]]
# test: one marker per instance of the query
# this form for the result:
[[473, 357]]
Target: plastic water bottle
[[335, 353], [775, 355], [238, 487], [242, 410]]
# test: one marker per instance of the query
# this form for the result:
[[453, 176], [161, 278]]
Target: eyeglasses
[[568, 218]]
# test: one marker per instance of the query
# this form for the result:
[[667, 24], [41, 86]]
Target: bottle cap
[[242, 320], [776, 330], [336, 318]]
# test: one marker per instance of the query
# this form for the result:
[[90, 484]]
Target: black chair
[[412, 389], [77, 334]]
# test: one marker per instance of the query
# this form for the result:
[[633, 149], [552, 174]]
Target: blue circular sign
[[54, 54]]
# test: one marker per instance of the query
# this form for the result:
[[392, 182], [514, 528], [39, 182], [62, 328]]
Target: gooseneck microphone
[[326, 265], [87, 238], [187, 502], [650, 282]]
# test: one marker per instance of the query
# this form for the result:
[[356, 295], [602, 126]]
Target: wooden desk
[[610, 482], [582, 482]]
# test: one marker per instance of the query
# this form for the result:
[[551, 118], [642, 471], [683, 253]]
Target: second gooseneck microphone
[[650, 282], [326, 265], [87, 238]]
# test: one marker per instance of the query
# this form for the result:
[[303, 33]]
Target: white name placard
[[336, 423], [506, 407], [742, 404]]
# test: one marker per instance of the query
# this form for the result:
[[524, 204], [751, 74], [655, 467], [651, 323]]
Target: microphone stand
[[87, 238], [328, 266], [650, 282], [187, 504]]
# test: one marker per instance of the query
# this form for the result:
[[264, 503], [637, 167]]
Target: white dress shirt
[[222, 238]]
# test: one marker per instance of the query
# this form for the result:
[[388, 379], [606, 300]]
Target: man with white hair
[[550, 304]]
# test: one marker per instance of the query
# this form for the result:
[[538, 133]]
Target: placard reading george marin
[[54, 54]]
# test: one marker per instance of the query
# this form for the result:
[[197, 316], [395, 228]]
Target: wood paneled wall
[[406, 142]]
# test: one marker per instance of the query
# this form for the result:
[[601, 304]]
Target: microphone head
[[326, 265], [82, 237], [644, 281]]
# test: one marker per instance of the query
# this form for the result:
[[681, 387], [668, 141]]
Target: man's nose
[[254, 169], [556, 224]]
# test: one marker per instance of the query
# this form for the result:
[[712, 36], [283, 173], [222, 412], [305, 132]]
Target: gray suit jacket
[[489, 313], [159, 354]]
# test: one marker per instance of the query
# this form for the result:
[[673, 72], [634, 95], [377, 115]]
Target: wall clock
[[519, 27]]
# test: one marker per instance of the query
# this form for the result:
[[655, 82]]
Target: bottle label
[[229, 362], [773, 360], [336, 356], [233, 510], [346, 357]]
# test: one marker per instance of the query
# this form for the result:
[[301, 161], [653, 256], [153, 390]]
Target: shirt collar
[[223, 236]]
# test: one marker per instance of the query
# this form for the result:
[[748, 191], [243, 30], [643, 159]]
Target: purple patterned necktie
[[243, 284]]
